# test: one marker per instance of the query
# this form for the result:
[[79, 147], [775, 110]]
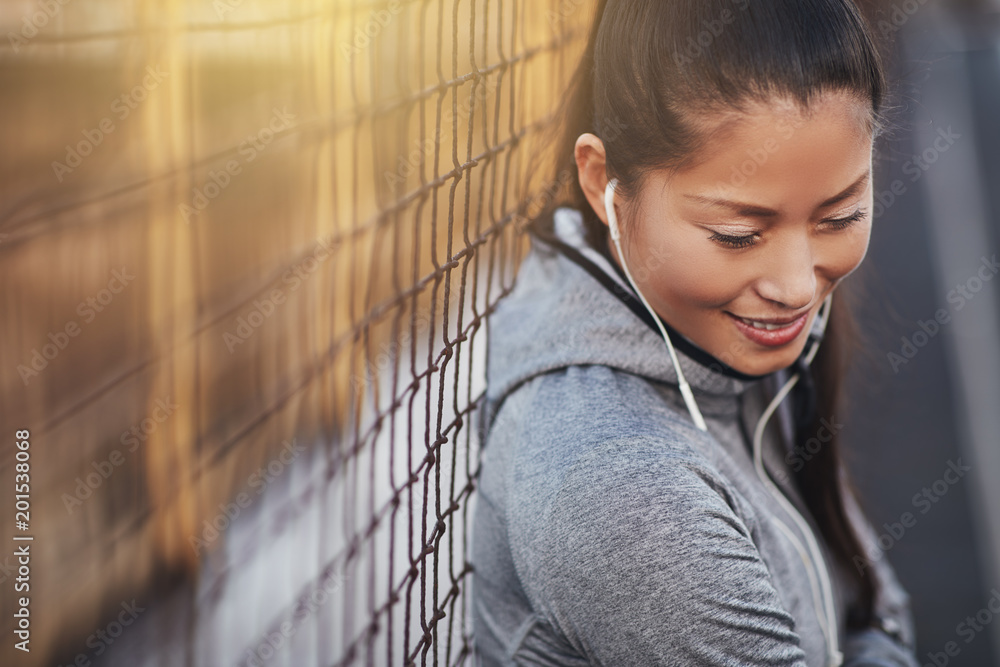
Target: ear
[[591, 164]]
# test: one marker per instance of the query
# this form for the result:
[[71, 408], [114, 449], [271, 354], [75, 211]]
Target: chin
[[765, 363]]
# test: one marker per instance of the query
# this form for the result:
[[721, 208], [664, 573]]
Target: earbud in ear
[[609, 208]]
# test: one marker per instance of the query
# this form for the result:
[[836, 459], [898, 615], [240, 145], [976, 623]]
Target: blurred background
[[248, 254], [925, 400]]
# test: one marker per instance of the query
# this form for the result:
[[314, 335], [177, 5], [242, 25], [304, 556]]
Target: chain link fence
[[248, 251]]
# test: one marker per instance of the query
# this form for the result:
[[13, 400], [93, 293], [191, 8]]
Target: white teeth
[[762, 325]]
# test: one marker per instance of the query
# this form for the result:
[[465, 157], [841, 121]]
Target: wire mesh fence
[[249, 250]]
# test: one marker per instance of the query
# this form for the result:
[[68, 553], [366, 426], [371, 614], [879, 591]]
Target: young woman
[[660, 484]]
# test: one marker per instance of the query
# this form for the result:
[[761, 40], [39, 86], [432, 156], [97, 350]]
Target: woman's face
[[739, 251]]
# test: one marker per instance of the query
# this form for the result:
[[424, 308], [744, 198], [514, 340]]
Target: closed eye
[[735, 242], [843, 223], [749, 240]]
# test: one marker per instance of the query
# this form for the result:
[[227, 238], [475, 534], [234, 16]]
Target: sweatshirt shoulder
[[581, 405], [599, 421], [638, 525], [602, 443]]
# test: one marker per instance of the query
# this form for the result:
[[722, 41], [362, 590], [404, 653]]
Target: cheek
[[676, 267], [848, 251], [698, 277]]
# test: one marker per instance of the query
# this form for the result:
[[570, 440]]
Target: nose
[[788, 278]]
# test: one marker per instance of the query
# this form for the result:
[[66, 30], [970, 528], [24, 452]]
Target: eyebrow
[[754, 211]]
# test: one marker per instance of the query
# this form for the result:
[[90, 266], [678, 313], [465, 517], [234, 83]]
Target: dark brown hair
[[651, 70]]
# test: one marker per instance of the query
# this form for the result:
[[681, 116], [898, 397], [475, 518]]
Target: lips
[[771, 332]]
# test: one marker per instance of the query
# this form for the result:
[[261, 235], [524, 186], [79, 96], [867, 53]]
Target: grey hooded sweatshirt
[[609, 530]]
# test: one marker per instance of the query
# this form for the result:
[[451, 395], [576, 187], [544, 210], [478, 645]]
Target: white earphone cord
[[827, 614], [692, 406], [823, 589]]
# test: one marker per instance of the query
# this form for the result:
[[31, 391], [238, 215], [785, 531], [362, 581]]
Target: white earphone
[[822, 589]]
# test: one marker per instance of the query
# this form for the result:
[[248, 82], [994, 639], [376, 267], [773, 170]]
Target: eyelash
[[741, 242]]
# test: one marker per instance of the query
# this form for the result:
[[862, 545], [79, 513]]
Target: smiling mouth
[[769, 325], [771, 333]]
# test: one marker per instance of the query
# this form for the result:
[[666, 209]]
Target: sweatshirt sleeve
[[892, 645], [645, 562]]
